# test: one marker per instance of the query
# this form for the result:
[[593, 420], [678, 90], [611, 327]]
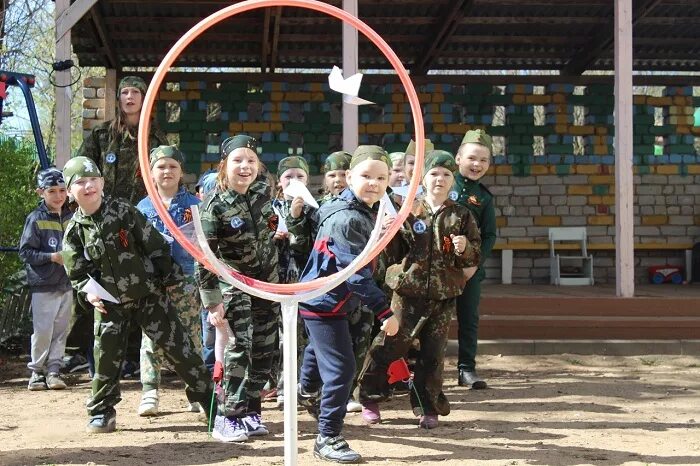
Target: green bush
[[18, 166]]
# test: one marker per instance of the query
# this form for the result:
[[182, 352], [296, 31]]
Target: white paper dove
[[281, 224], [94, 288], [349, 87], [403, 190], [296, 188], [390, 210]]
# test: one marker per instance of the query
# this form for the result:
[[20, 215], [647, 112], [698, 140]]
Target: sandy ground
[[542, 410]]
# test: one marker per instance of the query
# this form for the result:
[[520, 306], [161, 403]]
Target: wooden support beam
[[624, 217], [446, 27], [275, 38], [71, 15], [103, 37], [62, 89], [351, 118], [265, 42], [111, 94], [603, 41]]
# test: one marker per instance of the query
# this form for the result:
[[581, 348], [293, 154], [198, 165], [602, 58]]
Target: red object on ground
[[659, 274], [218, 371], [398, 371]]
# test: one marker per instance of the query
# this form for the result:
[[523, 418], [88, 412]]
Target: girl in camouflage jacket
[[239, 223], [438, 240]]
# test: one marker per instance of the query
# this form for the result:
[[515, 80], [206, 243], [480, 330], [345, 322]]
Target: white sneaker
[[280, 401], [149, 403], [354, 406], [195, 407]]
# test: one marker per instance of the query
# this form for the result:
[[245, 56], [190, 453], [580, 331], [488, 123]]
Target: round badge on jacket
[[111, 157], [419, 227], [237, 222], [53, 242], [453, 195]]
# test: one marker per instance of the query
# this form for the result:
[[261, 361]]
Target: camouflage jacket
[[295, 249], [479, 200], [430, 269], [120, 249], [240, 230], [118, 160]]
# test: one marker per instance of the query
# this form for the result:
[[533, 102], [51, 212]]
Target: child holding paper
[[166, 170], [123, 264], [240, 224]]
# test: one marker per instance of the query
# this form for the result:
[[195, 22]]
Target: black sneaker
[[102, 423], [130, 369], [309, 401], [335, 449], [37, 382], [75, 363]]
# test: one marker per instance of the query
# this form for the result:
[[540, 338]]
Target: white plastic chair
[[573, 269]]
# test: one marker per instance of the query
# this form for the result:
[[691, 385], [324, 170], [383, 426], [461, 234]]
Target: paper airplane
[[168, 239], [281, 225], [390, 210], [94, 288], [296, 188], [403, 190], [349, 87]]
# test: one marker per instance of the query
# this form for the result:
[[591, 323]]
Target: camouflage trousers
[[360, 320], [248, 359], [163, 326], [429, 321], [184, 298]]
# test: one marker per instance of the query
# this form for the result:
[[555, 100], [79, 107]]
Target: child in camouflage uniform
[[345, 224], [333, 169], [109, 242], [438, 241], [166, 170], [239, 223]]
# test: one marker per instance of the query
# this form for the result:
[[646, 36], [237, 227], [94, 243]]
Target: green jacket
[[240, 230], [118, 160], [120, 249], [430, 268], [479, 200]]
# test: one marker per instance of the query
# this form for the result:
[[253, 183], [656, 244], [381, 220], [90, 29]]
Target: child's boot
[[102, 423], [149, 403]]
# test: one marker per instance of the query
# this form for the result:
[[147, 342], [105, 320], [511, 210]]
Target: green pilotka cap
[[396, 157], [170, 152], [79, 167], [411, 149], [339, 160], [439, 158], [238, 141], [363, 153], [132, 81], [293, 161], [478, 136]]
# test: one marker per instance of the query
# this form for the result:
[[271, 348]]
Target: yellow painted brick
[[601, 179], [561, 119], [297, 96], [276, 96], [256, 127], [491, 170], [317, 97], [579, 190], [667, 169], [500, 222], [681, 120], [654, 219], [431, 108], [439, 128], [378, 128], [190, 85], [194, 95], [275, 116], [172, 95], [539, 170], [276, 126], [581, 130], [639, 99], [601, 220], [682, 100], [585, 169], [519, 89], [397, 117], [693, 169], [683, 129], [558, 98], [425, 97], [560, 109], [538, 99], [561, 129], [276, 86], [508, 169], [438, 118], [548, 220], [601, 130], [398, 128], [518, 99], [235, 127], [592, 200], [316, 87], [659, 101], [438, 98], [608, 200], [397, 98], [695, 130], [457, 128], [600, 149]]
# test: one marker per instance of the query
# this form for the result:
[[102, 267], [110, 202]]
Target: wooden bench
[[507, 250]]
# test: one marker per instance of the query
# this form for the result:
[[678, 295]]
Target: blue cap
[[207, 182]]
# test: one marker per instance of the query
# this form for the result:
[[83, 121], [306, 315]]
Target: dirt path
[[541, 410]]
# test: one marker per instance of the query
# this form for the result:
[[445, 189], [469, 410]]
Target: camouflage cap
[[236, 142], [79, 167], [132, 81], [478, 136], [439, 158], [49, 177], [167, 152], [339, 160], [396, 157], [411, 149], [363, 153], [293, 161]]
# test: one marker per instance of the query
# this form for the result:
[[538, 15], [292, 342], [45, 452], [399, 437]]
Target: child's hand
[[460, 243], [469, 272], [97, 303], [216, 315], [57, 258], [386, 223], [281, 235], [390, 326], [297, 207]]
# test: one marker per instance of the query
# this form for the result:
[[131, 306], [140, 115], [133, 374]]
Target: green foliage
[[18, 166]]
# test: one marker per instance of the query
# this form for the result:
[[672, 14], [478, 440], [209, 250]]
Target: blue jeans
[[329, 364], [208, 340]]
